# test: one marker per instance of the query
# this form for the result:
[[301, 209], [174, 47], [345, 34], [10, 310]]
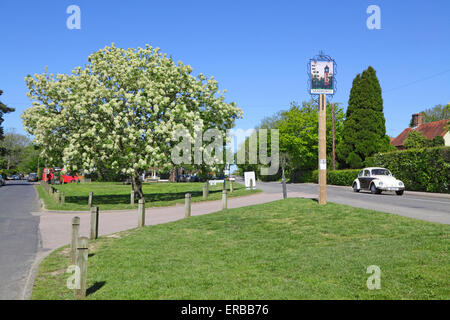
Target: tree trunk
[[136, 184]]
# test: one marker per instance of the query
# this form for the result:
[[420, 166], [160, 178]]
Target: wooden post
[[90, 199], [74, 242], [82, 259], [204, 192], [94, 223], [187, 205], [224, 200], [207, 188], [56, 196], [132, 198], [333, 130], [283, 182], [63, 198], [231, 186], [322, 149], [141, 212]]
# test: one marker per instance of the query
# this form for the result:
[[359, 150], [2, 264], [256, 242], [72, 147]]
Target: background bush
[[338, 177], [425, 169]]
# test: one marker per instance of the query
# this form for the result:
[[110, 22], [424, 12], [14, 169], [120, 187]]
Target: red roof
[[429, 130]]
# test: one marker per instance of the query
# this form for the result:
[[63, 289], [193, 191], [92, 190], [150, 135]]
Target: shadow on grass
[[125, 199], [95, 287]]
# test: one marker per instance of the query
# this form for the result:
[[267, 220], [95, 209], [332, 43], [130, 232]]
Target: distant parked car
[[377, 180], [2, 180], [195, 178], [32, 177]]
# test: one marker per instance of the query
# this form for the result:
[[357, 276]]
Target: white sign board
[[322, 164], [214, 182], [250, 175]]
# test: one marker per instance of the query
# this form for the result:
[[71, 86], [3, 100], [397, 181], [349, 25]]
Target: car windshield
[[381, 172]]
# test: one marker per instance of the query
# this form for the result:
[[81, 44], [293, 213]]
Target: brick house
[[430, 130]]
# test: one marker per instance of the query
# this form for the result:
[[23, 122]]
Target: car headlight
[[380, 183], [400, 184]]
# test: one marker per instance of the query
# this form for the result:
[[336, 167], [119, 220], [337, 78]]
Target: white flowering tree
[[121, 110]]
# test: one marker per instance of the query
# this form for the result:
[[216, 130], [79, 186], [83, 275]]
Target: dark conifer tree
[[364, 131], [3, 110]]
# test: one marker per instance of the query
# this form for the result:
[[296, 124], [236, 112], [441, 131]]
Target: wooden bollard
[[224, 199], [141, 213], [81, 262], [74, 242], [207, 188], [132, 198], [231, 186], [187, 205], [63, 198], [204, 192], [94, 223], [90, 199], [56, 196]]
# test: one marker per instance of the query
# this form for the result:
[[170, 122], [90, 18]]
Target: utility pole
[[332, 120], [322, 149]]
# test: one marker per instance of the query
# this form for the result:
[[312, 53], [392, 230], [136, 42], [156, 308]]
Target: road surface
[[418, 205], [19, 237]]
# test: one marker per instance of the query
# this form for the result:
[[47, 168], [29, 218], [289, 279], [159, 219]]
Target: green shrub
[[420, 169], [338, 177], [301, 176], [369, 162]]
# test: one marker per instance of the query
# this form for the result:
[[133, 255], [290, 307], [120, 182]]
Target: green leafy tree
[[14, 145], [364, 132], [438, 112], [29, 160], [298, 133], [416, 140], [121, 112]]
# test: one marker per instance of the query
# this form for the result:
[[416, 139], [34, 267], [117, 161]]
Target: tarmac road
[[19, 237], [419, 205]]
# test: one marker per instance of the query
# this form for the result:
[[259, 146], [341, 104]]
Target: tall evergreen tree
[[364, 127], [3, 109]]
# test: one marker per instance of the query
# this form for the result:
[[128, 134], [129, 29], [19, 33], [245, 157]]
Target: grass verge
[[116, 196], [288, 249]]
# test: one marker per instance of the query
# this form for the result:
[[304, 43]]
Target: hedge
[[425, 169], [338, 177]]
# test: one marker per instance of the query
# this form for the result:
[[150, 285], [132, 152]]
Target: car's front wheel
[[355, 188], [374, 190], [400, 192]]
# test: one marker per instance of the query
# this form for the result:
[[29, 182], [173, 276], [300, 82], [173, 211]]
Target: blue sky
[[257, 50]]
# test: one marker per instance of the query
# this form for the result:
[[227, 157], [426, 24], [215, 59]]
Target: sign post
[[322, 149], [333, 132], [322, 71]]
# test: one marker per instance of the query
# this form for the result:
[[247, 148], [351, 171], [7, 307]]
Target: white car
[[377, 180]]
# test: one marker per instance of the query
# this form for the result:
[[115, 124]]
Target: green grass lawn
[[115, 195], [287, 249]]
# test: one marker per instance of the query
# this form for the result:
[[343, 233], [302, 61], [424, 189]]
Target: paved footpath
[[56, 226]]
